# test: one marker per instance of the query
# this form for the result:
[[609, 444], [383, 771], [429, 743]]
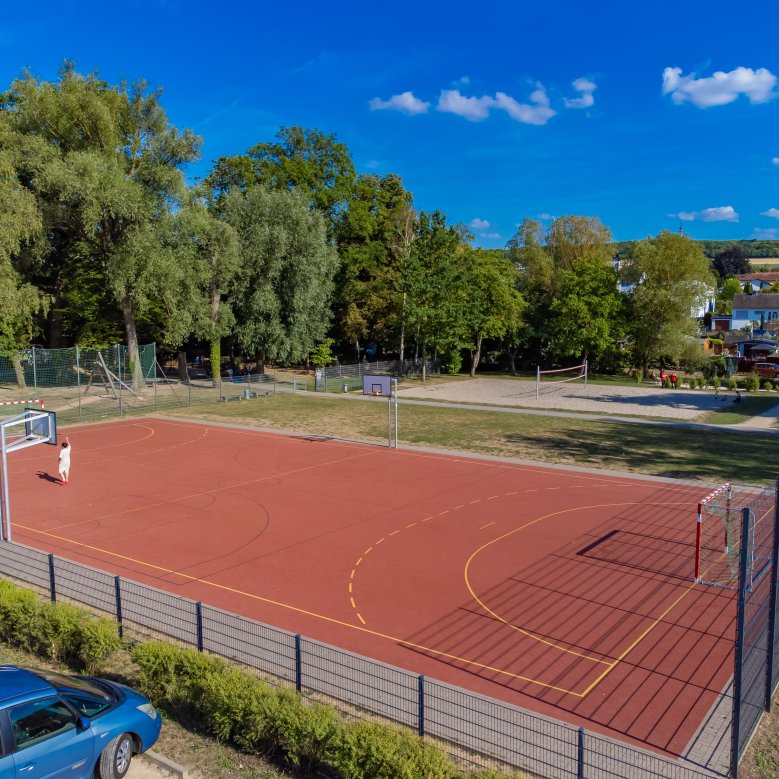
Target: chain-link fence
[[476, 730], [91, 384]]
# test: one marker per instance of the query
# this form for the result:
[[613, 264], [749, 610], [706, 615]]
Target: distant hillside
[[754, 248]]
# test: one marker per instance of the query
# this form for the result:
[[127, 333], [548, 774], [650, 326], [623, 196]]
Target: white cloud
[[772, 212], [721, 88], [489, 235], [775, 160], [769, 233], [544, 217], [405, 102], [479, 224], [585, 87], [539, 113], [474, 109], [463, 81], [718, 214]]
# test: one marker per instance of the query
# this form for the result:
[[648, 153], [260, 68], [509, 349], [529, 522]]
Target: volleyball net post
[[579, 371]]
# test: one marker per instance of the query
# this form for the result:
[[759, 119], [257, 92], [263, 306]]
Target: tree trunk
[[183, 375], [424, 364], [215, 346], [19, 371], [402, 350], [476, 355], [261, 359], [133, 352], [55, 323], [215, 343]]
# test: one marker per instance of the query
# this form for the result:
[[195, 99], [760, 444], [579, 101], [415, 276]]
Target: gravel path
[[601, 398]]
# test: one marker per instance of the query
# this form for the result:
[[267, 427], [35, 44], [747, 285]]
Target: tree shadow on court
[[662, 451]]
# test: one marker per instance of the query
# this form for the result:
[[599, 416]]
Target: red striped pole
[[698, 543]]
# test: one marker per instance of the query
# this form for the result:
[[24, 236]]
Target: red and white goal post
[[717, 539]]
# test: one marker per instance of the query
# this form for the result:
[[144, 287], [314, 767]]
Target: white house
[[757, 308]]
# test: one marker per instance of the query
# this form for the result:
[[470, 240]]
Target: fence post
[[298, 664], [78, 382], [771, 670], [421, 705], [580, 755], [199, 618], [52, 580], [34, 371], [735, 739], [118, 596]]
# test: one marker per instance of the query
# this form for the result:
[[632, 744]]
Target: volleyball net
[[561, 375]]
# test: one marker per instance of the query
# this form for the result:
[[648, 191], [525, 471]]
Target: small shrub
[[701, 382], [98, 642], [18, 613], [767, 385], [367, 749], [304, 734], [156, 663], [732, 383], [56, 633], [716, 382], [752, 382]]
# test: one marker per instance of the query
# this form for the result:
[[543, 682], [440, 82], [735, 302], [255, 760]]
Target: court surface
[[568, 593]]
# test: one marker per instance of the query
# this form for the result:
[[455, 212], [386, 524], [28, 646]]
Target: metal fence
[[91, 384], [469, 724], [755, 676]]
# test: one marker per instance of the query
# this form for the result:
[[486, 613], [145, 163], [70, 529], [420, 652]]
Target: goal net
[[561, 375], [721, 517]]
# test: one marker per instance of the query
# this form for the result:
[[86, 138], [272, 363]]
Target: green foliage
[[752, 382], [715, 382], [672, 277], [365, 749], [322, 353], [281, 295], [451, 361], [59, 632], [767, 385]]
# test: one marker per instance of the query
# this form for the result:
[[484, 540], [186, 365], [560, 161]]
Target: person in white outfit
[[64, 461]]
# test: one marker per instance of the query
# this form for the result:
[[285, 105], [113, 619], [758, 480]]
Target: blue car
[[53, 725]]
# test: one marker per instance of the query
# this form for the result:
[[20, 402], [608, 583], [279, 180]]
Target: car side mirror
[[84, 723]]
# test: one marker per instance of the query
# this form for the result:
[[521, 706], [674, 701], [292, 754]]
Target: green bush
[[365, 749], [716, 382], [701, 382], [18, 612], [767, 385], [304, 734], [451, 361], [732, 383], [56, 631], [98, 642], [752, 382]]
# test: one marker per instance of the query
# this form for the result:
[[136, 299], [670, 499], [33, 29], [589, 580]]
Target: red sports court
[[565, 592]]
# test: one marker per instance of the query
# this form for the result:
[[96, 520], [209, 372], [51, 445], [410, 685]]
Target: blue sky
[[642, 114]]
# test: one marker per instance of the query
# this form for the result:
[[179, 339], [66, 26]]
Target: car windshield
[[75, 683]]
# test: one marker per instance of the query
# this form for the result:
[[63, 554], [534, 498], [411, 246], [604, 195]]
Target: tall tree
[[730, 287], [109, 154], [299, 158], [493, 304], [731, 261], [673, 278], [370, 239], [433, 283], [281, 294], [586, 309]]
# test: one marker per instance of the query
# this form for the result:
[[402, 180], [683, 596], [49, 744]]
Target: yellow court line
[[526, 632], [298, 610]]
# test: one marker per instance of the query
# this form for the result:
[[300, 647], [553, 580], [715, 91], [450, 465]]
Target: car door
[[49, 744]]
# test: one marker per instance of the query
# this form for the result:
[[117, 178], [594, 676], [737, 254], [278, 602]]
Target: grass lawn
[[710, 455], [731, 413]]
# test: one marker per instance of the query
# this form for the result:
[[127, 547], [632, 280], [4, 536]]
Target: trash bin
[[346, 388]]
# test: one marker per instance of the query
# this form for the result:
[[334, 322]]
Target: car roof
[[15, 681]]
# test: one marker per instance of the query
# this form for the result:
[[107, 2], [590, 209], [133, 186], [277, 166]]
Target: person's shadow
[[47, 477]]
